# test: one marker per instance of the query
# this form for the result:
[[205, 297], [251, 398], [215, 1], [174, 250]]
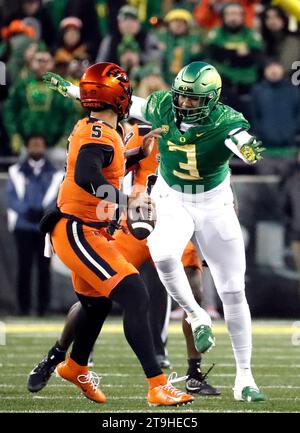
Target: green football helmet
[[197, 80]]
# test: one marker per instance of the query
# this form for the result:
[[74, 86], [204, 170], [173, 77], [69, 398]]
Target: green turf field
[[276, 365]]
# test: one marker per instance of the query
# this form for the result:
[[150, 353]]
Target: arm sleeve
[[88, 171], [133, 157], [242, 136], [73, 91], [136, 109]]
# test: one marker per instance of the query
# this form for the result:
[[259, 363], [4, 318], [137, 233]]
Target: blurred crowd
[[255, 45]]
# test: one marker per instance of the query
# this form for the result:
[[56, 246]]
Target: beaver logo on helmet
[[106, 85]]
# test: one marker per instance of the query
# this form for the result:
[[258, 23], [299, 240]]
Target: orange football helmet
[[106, 85]]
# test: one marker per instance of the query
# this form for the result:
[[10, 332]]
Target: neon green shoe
[[203, 338], [249, 394]]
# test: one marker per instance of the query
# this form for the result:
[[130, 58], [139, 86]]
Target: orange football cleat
[[166, 394], [86, 380]]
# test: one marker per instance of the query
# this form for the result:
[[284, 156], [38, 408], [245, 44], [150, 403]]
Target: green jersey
[[198, 157]]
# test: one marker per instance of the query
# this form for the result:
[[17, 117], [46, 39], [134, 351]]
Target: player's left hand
[[148, 141], [252, 150]]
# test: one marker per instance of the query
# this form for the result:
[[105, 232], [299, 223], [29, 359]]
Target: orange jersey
[[137, 252], [146, 166], [73, 199], [96, 264]]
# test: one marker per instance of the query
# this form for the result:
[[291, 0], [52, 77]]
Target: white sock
[[244, 378], [238, 321], [173, 277]]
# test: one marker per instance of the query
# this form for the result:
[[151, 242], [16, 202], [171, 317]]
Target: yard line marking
[[116, 398], [137, 385], [131, 375], [99, 365], [219, 329]]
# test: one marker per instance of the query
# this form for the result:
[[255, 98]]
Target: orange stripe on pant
[[97, 265]]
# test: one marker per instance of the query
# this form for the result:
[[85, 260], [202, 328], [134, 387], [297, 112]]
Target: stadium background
[[272, 280], [272, 277]]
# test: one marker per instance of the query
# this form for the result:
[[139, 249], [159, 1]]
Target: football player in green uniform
[[194, 201]]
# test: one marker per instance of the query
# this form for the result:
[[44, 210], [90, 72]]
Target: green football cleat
[[250, 394], [203, 339]]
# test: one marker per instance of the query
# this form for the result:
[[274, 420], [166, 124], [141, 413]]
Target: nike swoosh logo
[[173, 398]]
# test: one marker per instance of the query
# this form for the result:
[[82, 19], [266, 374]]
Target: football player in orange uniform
[[137, 253], [88, 198]]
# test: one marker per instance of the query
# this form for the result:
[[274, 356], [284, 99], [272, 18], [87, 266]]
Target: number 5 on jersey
[[96, 131]]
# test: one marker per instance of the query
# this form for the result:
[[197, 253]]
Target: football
[[141, 221]]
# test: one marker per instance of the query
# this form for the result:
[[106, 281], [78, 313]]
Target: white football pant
[[209, 219]]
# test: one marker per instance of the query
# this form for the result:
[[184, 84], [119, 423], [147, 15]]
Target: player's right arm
[[92, 159], [245, 146], [59, 84], [67, 89]]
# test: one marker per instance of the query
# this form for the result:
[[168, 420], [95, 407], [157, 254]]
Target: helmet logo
[[186, 88], [106, 85], [117, 73]]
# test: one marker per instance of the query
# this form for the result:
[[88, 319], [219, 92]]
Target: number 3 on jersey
[[190, 166]]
